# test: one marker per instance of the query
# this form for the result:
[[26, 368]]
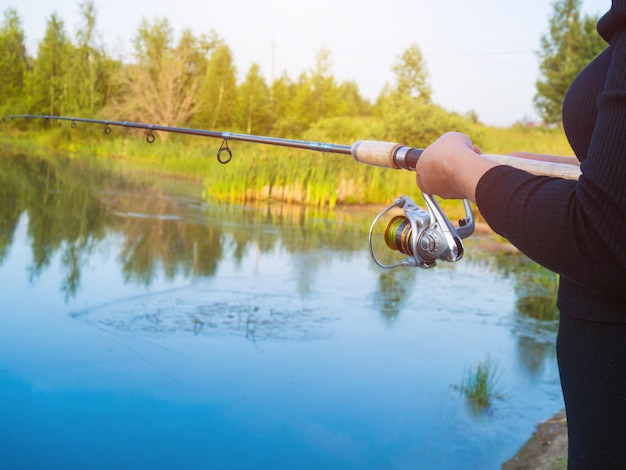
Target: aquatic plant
[[479, 385]]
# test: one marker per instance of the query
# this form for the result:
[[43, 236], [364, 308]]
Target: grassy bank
[[500, 140]]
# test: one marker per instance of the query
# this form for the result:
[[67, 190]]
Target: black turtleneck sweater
[[577, 229]]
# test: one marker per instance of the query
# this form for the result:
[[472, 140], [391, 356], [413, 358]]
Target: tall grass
[[479, 385], [302, 177], [518, 138]]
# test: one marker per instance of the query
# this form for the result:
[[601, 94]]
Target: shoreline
[[546, 449]]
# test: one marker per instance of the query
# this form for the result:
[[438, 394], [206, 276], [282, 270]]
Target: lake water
[[143, 327]]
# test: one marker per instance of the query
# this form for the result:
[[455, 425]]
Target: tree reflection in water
[[535, 315], [72, 205], [394, 287], [63, 212]]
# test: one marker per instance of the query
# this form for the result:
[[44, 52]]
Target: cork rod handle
[[392, 155]]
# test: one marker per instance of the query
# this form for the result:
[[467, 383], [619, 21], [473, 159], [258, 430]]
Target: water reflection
[[157, 235], [72, 205], [63, 211], [535, 314], [535, 286], [393, 290]]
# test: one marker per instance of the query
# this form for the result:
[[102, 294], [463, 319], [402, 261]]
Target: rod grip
[[386, 154], [397, 156], [536, 167]]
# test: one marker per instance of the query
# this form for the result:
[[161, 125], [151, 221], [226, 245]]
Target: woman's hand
[[451, 167]]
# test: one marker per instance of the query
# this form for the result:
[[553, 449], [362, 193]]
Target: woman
[[578, 230]]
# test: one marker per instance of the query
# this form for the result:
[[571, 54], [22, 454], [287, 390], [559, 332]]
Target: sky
[[480, 56]]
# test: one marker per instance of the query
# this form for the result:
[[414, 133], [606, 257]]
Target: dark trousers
[[592, 366]]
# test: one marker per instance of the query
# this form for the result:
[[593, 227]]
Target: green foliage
[[406, 111], [217, 97], [163, 86], [569, 45], [479, 385], [282, 93], [413, 122], [351, 102], [344, 130], [294, 176], [193, 82], [91, 71], [253, 110], [411, 75], [64, 78], [48, 83], [502, 141], [316, 94], [13, 61]]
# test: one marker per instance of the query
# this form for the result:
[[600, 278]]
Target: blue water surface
[[279, 359]]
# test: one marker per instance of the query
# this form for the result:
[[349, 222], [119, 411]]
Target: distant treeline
[[190, 80]]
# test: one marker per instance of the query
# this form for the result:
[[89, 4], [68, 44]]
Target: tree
[[410, 87], [163, 85], [569, 45], [406, 108], [48, 83], [218, 92], [317, 94], [91, 69], [315, 97], [352, 103], [419, 124], [412, 75], [253, 110], [13, 60], [282, 93]]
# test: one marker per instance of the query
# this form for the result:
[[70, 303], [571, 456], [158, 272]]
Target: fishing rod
[[425, 236]]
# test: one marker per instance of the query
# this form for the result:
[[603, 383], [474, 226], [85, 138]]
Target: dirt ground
[[545, 450]]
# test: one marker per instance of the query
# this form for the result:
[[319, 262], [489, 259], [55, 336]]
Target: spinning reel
[[425, 236]]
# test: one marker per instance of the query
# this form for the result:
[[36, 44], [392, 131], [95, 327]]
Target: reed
[[499, 140], [296, 176], [479, 384]]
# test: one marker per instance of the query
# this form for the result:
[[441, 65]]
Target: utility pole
[[273, 60]]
